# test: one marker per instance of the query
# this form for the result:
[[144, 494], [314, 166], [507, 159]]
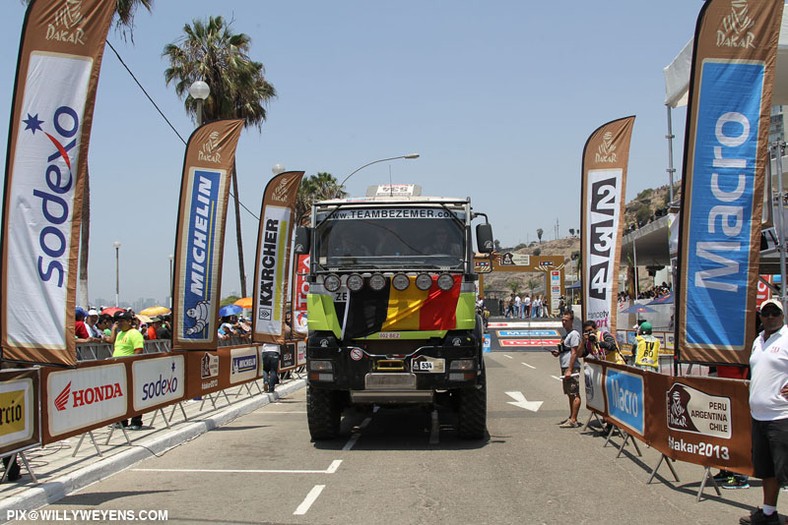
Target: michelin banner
[[723, 182], [605, 160], [46, 165], [273, 257], [205, 187]]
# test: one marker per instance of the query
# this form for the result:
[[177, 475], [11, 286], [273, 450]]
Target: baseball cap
[[123, 315], [92, 311], [773, 302], [645, 327]]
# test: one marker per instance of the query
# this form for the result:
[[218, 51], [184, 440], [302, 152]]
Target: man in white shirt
[[769, 410]]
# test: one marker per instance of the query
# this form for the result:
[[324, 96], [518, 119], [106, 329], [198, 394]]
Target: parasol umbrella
[[112, 310], [155, 310], [663, 299], [637, 309], [230, 309], [143, 318], [244, 302]]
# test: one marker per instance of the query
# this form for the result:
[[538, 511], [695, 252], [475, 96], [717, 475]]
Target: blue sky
[[497, 97]]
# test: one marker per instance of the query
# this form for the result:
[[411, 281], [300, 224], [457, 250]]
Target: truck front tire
[[323, 413], [472, 417]]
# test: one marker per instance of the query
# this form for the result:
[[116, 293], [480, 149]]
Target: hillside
[[646, 206]]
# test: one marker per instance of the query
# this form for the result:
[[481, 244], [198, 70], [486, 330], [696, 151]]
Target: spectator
[[567, 353], [153, 326], [80, 329], [128, 342], [769, 410], [646, 348], [91, 323], [164, 330]]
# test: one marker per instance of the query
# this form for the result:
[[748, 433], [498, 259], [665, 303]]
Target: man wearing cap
[[90, 323], [128, 342], [769, 410], [646, 348], [80, 330]]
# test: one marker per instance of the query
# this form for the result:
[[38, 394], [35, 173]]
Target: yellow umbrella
[[245, 302], [155, 310]]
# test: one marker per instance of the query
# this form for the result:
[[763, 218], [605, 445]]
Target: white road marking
[[508, 356], [529, 366], [557, 378], [309, 500], [520, 401], [351, 442], [356, 433], [332, 468]]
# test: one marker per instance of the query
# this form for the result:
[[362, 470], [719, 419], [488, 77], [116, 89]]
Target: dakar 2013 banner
[[605, 160], [46, 164], [727, 134], [273, 257], [19, 421], [199, 241]]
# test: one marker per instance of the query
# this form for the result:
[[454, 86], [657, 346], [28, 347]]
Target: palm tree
[[124, 23], [539, 233], [209, 51], [315, 188]]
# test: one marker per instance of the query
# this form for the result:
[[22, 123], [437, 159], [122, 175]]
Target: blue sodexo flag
[[723, 181]]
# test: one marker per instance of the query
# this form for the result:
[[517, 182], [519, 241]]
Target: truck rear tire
[[472, 417], [323, 413]]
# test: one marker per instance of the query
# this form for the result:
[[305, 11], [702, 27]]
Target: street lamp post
[[116, 244], [277, 169], [172, 257], [199, 91], [408, 156]]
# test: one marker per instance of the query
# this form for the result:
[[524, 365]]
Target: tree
[[209, 51], [572, 232], [124, 22], [315, 188], [539, 233]]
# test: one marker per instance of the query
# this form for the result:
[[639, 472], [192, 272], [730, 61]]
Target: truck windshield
[[380, 243]]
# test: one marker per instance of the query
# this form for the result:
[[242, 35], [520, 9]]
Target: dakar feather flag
[[725, 158], [605, 160], [46, 164], [199, 238], [273, 257]]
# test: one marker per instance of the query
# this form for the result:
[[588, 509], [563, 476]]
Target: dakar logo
[[734, 30], [280, 192], [210, 150], [64, 28], [678, 417], [607, 150]]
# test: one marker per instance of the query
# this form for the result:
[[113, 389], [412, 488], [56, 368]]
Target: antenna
[[391, 185]]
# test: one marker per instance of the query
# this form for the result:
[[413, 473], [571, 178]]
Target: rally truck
[[391, 307]]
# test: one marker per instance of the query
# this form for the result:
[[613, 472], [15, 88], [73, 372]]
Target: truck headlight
[[445, 281], [355, 282], [377, 281], [463, 364], [321, 366], [332, 282], [423, 281], [400, 282]]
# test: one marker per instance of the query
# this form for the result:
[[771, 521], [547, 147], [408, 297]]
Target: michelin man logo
[[201, 315]]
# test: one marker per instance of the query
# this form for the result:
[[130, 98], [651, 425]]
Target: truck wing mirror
[[303, 236], [484, 238]]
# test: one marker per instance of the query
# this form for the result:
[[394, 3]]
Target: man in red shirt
[[80, 330]]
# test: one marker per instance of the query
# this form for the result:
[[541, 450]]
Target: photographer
[[568, 354], [600, 345]]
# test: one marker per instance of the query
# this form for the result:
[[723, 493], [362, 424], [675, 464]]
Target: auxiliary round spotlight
[[400, 282], [332, 282], [355, 282], [423, 281], [445, 281], [377, 282]]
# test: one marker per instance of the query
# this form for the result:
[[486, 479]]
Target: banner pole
[[779, 146]]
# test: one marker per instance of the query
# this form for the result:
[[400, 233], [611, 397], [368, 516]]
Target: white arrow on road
[[520, 401]]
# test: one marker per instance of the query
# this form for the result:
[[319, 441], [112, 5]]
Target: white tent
[[677, 73]]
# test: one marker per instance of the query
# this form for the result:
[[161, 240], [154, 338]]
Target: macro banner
[[604, 177], [199, 241], [273, 257], [725, 157], [20, 427], [46, 164]]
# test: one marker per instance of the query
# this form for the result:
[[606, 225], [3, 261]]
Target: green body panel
[[321, 314], [466, 311]]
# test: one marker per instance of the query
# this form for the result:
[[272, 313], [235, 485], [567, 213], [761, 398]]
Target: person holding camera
[[600, 345], [568, 354]]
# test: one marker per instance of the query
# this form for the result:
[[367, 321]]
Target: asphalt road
[[393, 467]]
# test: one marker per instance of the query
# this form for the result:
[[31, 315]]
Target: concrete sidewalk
[[60, 471]]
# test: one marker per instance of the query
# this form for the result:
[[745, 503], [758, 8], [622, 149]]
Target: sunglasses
[[771, 313], [588, 331]]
